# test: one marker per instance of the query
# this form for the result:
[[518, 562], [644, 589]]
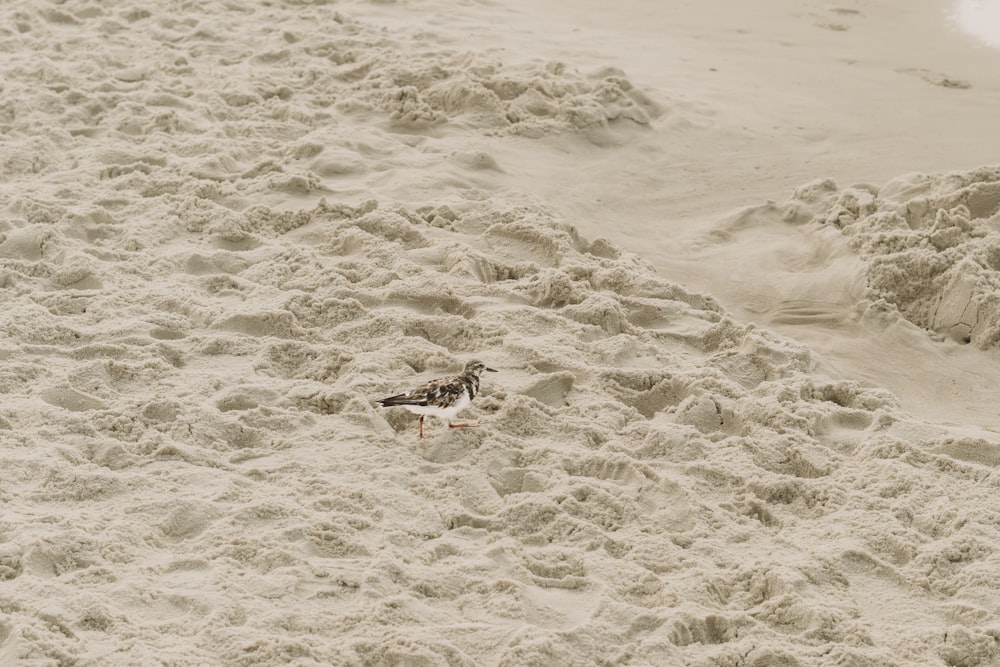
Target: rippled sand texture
[[225, 229]]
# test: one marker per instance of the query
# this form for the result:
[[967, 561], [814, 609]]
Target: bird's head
[[476, 367]]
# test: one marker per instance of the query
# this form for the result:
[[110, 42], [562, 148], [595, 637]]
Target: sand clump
[[931, 244]]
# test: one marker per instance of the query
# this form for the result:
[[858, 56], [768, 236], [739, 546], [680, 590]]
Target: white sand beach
[[737, 267]]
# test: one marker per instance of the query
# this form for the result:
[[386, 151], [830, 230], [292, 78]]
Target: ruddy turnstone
[[443, 397]]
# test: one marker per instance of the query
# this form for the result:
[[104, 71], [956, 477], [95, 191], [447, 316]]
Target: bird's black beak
[[491, 370]]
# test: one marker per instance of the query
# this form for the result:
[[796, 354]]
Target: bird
[[444, 397]]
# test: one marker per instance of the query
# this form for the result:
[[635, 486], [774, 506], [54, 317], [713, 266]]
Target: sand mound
[[932, 244], [530, 100]]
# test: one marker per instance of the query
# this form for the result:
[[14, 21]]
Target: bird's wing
[[444, 393], [437, 393], [416, 396]]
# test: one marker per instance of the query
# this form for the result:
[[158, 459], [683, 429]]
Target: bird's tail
[[400, 399]]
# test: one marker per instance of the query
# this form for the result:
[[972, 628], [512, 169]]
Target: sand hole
[[162, 333], [552, 390]]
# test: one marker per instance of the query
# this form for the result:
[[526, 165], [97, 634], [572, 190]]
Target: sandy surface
[[738, 269]]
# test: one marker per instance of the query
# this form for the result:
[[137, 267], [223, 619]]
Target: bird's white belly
[[444, 413]]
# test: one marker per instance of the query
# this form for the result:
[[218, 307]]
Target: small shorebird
[[443, 397]]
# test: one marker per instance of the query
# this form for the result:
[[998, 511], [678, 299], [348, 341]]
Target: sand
[[737, 268]]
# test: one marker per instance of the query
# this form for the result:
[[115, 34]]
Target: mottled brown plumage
[[443, 397]]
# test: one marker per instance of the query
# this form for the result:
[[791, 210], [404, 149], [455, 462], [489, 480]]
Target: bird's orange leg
[[421, 427]]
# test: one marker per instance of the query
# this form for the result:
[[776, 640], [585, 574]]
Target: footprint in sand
[[935, 78], [837, 26]]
